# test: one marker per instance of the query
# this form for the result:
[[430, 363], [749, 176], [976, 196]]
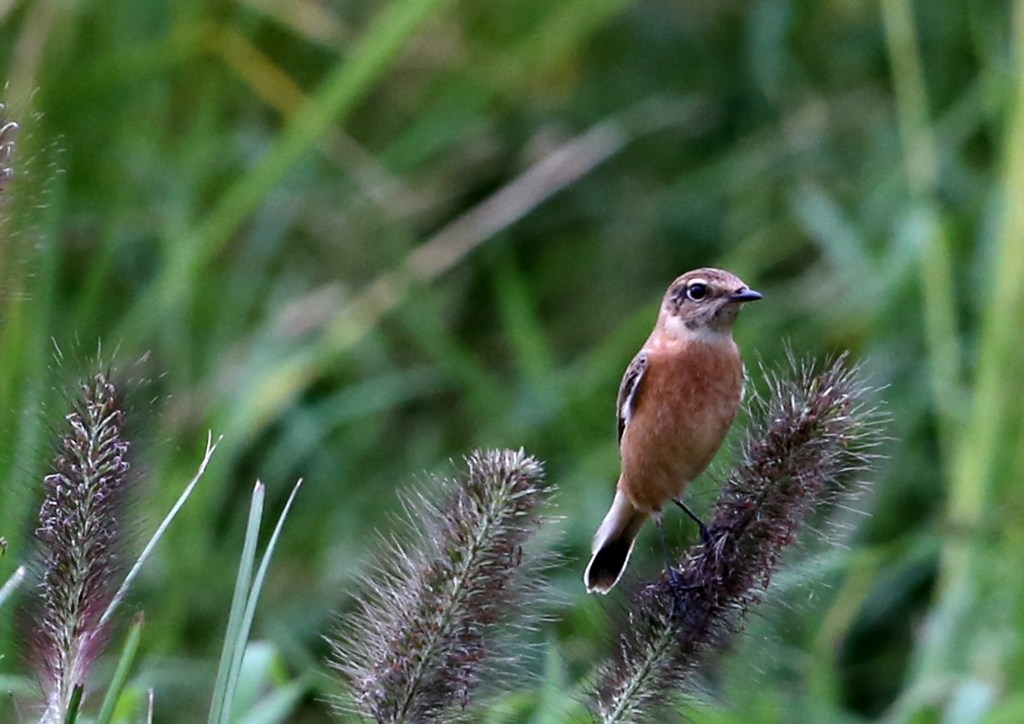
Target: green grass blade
[[250, 605], [924, 223], [124, 666], [998, 344], [74, 706], [976, 490], [161, 529], [339, 94], [341, 91], [12, 584], [218, 711]]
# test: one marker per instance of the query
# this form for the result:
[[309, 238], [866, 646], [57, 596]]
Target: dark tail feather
[[613, 544]]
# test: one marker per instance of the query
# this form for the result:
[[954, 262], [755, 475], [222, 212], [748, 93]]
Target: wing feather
[[629, 388]]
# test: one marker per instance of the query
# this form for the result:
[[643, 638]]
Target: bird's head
[[704, 300]]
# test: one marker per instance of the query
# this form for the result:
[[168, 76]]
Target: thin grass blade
[[218, 712], [124, 666], [75, 705], [250, 606], [161, 529]]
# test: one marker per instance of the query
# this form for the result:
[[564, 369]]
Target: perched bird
[[676, 402]]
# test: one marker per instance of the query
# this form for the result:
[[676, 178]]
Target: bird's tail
[[613, 543]]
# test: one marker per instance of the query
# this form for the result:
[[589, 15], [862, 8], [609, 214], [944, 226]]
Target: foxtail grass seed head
[[807, 443], [424, 632], [79, 529]]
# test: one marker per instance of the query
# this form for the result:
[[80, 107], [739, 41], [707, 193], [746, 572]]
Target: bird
[[676, 402]]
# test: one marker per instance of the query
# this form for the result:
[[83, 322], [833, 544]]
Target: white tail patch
[[613, 545], [615, 520]]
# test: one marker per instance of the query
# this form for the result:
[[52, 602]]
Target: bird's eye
[[697, 291]]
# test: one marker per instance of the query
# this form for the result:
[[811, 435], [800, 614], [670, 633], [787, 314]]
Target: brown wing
[[629, 388]]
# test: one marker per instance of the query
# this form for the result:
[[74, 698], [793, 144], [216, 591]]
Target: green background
[[360, 239]]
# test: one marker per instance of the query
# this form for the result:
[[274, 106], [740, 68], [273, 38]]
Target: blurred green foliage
[[361, 238]]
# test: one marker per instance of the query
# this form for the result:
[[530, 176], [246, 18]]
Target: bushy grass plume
[[80, 532], [425, 631]]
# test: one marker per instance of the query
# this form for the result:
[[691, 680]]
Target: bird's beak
[[744, 295]]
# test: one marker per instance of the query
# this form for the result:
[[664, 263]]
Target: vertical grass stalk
[[924, 223], [983, 471]]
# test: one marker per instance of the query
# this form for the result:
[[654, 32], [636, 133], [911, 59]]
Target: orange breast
[[689, 396]]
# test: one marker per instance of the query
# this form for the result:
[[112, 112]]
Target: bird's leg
[[705, 537], [673, 576]]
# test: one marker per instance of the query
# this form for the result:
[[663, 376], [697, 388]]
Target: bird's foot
[[705, 534]]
